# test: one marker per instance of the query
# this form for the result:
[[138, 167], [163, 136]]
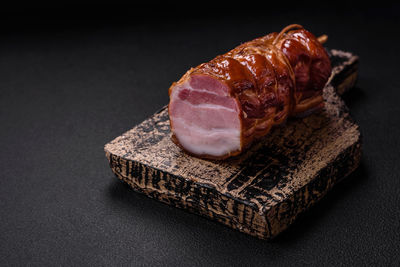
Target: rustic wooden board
[[262, 191]]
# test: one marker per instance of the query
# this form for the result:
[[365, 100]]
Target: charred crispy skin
[[271, 78]]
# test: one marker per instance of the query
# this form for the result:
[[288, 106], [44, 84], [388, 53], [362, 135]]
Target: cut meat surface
[[201, 141], [206, 118], [221, 107]]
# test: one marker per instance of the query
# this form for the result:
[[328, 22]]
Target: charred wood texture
[[262, 191]]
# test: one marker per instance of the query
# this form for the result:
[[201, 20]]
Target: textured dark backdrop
[[73, 78]]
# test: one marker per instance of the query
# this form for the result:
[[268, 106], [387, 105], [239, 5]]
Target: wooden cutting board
[[262, 191]]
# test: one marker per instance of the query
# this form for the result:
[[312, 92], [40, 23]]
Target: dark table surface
[[70, 84]]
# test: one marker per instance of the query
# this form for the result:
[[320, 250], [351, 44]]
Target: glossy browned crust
[[272, 77]]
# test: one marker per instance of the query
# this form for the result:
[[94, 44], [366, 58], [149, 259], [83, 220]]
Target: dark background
[[74, 77]]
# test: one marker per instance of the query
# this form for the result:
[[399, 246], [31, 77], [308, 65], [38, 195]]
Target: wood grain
[[262, 191]]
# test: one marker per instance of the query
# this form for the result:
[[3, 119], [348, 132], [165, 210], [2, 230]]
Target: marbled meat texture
[[221, 107]]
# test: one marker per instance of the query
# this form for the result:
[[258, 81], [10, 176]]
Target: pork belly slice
[[204, 117]]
